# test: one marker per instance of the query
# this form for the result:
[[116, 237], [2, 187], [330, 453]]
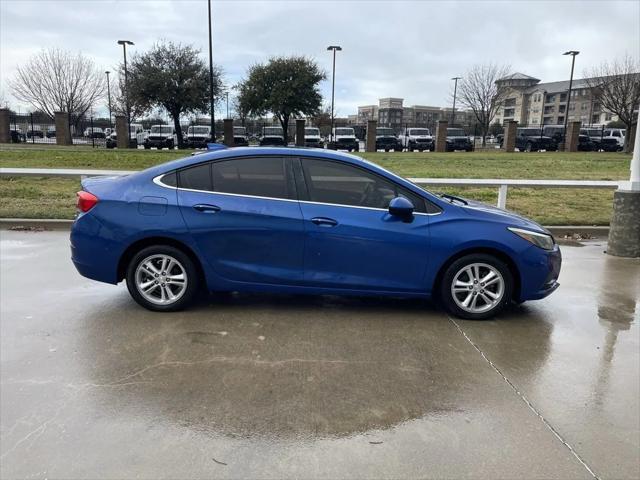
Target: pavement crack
[[524, 398]]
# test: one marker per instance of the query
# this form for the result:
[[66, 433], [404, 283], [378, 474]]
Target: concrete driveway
[[261, 386]]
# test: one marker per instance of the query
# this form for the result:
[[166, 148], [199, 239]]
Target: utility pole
[[455, 91], [211, 98], [573, 54], [124, 44], [335, 49], [109, 96]]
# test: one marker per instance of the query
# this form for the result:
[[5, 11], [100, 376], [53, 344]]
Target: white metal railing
[[502, 184]]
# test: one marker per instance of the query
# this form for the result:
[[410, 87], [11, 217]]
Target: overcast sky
[[390, 49]]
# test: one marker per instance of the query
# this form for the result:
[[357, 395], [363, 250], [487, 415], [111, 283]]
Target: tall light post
[[211, 98], [455, 92], [124, 44], [573, 54], [226, 94], [109, 96], [335, 49]]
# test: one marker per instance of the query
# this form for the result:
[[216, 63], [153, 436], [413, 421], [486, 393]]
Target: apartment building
[[391, 112], [530, 102]]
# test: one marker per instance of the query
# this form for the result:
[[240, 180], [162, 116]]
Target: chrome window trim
[[158, 181]]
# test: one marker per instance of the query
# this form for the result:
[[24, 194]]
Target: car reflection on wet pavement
[[269, 386]]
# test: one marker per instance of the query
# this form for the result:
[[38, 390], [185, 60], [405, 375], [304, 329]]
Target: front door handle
[[206, 208], [324, 222]]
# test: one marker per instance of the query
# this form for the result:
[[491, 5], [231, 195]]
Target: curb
[[63, 224], [35, 223], [584, 231]]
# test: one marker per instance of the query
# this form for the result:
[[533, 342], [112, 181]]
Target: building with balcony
[[530, 102]]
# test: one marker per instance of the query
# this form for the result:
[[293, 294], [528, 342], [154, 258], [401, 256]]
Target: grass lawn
[[55, 198]]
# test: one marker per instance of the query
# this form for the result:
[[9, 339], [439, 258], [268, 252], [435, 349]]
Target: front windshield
[[455, 132], [311, 131], [273, 131], [198, 129], [344, 131], [419, 131], [385, 131], [161, 129], [592, 132], [239, 130], [529, 132]]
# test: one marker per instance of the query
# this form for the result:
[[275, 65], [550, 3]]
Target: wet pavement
[[263, 386]]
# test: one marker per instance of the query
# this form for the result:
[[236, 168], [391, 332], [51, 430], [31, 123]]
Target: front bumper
[[159, 142], [540, 273]]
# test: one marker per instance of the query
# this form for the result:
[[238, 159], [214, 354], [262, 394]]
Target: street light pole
[[335, 49], [109, 96], [455, 91], [211, 98], [124, 44], [573, 54], [227, 95]]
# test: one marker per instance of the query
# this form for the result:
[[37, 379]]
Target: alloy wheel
[[477, 288], [161, 279]]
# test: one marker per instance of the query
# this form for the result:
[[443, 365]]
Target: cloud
[[404, 49]]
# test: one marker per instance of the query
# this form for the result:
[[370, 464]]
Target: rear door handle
[[324, 221], [206, 208]]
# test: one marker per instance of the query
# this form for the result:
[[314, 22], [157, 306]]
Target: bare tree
[[56, 80], [617, 86], [240, 107], [479, 92], [137, 107]]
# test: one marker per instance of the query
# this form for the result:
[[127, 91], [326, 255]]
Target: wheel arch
[[138, 245], [500, 255]]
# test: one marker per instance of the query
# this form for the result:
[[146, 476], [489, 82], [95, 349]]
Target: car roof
[[256, 151], [237, 152]]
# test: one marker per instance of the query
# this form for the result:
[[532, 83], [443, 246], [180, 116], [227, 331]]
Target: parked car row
[[547, 138]]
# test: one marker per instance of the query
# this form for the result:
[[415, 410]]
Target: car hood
[[500, 215], [458, 138]]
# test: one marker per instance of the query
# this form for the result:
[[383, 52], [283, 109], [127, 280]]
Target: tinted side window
[[260, 176], [170, 179], [332, 182], [196, 178]]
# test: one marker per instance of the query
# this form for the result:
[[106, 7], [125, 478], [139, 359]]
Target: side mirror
[[401, 207]]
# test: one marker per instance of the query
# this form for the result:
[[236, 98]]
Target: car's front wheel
[[162, 278], [476, 287]]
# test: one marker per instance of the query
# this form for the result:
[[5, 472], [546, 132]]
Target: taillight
[[86, 201]]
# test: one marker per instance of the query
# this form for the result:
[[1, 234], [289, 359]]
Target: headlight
[[541, 240]]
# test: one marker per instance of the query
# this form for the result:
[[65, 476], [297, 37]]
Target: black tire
[[528, 147], [446, 296], [190, 271], [147, 146]]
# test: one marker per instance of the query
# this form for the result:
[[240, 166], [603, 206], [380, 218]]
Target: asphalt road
[[261, 386]]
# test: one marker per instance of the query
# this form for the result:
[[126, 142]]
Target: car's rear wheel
[[476, 287], [162, 278]]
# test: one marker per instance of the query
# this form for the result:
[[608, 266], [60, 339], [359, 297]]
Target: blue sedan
[[304, 221]]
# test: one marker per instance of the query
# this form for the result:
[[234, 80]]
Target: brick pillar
[[228, 132], [300, 132], [371, 135], [624, 234], [63, 132], [5, 128], [122, 132], [571, 140], [510, 132], [441, 136]]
